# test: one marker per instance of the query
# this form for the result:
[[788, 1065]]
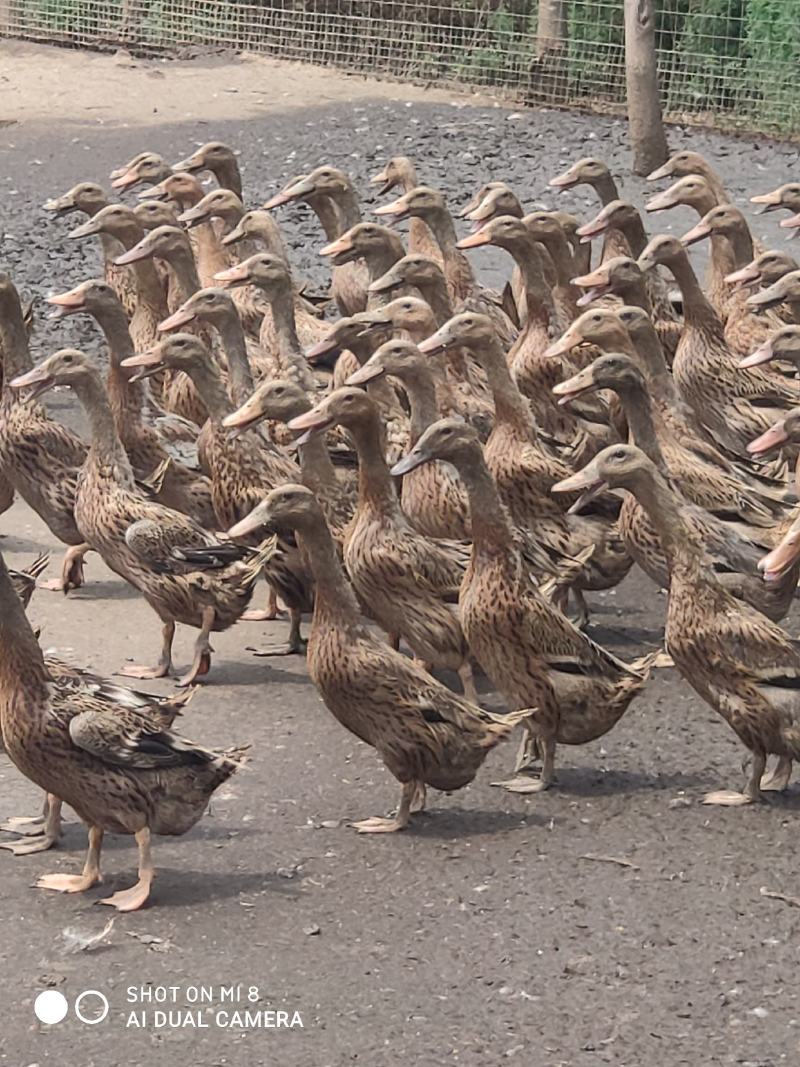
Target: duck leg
[[778, 779], [71, 570], [752, 790], [468, 682], [529, 752], [46, 833], [164, 665], [296, 645], [525, 784], [78, 883], [379, 825], [202, 651], [134, 898]]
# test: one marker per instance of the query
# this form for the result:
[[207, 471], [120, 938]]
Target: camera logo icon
[[51, 1007]]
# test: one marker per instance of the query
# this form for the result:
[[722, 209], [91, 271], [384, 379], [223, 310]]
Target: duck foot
[[379, 825], [41, 843], [68, 883], [200, 667], [778, 779], [138, 670], [523, 784], [728, 798], [24, 825], [71, 571], [130, 899], [261, 615], [288, 649]]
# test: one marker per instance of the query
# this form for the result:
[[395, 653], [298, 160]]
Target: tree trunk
[[551, 26], [641, 75]]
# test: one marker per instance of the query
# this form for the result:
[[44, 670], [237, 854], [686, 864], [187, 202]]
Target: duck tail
[[255, 564], [569, 568], [154, 482], [644, 664], [38, 566], [502, 726]]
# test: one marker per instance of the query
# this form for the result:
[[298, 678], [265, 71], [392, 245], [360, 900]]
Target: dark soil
[[500, 929]]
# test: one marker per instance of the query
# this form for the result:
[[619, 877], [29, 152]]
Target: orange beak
[[773, 437], [475, 240], [571, 339], [67, 303], [176, 320], [233, 276], [697, 233]]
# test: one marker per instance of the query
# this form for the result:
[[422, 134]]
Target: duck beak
[[697, 233], [596, 285], [382, 179], [146, 364], [322, 348], [236, 234], [645, 262], [585, 480], [365, 374], [415, 458], [38, 381], [563, 181], [194, 216], [397, 209], [775, 564], [233, 277], [656, 175], [385, 284], [767, 201], [437, 342], [591, 230], [312, 422], [761, 355], [155, 192], [86, 229], [748, 275], [766, 298], [573, 387], [248, 415], [191, 164], [475, 240], [342, 250], [139, 252], [286, 196], [126, 179], [571, 339], [66, 303], [661, 201], [60, 205], [793, 224], [178, 318], [258, 518], [772, 438]]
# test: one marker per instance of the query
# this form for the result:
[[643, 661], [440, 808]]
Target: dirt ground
[[610, 920]]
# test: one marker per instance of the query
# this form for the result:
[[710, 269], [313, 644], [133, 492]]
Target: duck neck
[[184, 270], [741, 243], [211, 389], [684, 554], [335, 603], [651, 355], [349, 209], [606, 189], [234, 345], [440, 222], [106, 449], [510, 405], [126, 397], [434, 292], [325, 210], [529, 260], [635, 234], [14, 351], [639, 414], [558, 247], [489, 521], [376, 489], [697, 311], [22, 669], [295, 366], [421, 389], [383, 258], [229, 176]]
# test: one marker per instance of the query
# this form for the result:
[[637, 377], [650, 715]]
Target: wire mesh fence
[[725, 62]]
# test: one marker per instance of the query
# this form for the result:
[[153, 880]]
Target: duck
[[121, 769], [684, 164], [733, 529], [764, 270], [426, 735], [705, 371], [88, 198], [532, 653], [136, 537], [377, 246], [432, 497], [738, 661], [429, 204], [408, 580], [786, 197], [594, 172], [180, 487], [218, 159], [323, 188], [784, 292], [743, 329], [623, 277], [146, 167], [334, 488], [401, 172], [39, 458], [525, 472]]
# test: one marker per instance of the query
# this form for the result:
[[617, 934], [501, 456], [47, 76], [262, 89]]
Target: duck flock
[[436, 471]]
